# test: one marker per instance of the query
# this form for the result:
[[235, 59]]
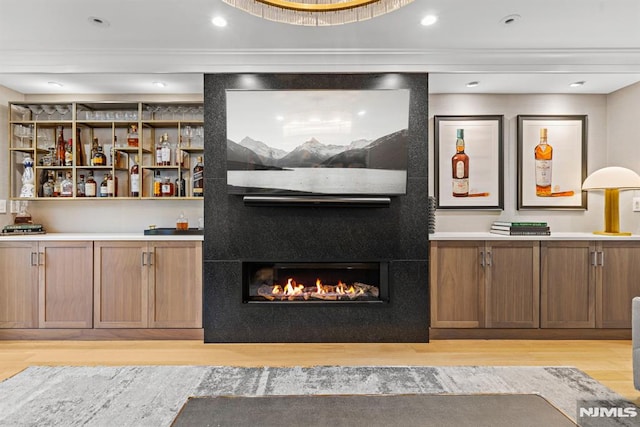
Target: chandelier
[[317, 12]]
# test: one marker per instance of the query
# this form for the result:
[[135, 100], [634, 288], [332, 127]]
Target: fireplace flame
[[297, 291]]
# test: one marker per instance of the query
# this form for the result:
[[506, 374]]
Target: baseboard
[[102, 334], [530, 334]]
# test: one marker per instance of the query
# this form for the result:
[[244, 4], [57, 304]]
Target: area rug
[[356, 410], [153, 395]]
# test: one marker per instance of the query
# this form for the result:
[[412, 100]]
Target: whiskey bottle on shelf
[[157, 185], [460, 167], [66, 187], [104, 190], [166, 150], [543, 154], [47, 187], [57, 185], [98, 158], [159, 152], [112, 185], [81, 187], [181, 186], [134, 178], [198, 178], [91, 187], [114, 154], [167, 188], [68, 154], [180, 155], [132, 136], [60, 148]]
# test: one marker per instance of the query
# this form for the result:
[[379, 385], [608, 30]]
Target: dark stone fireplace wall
[[235, 232]]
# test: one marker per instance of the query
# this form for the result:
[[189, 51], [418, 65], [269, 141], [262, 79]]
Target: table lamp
[[612, 179]]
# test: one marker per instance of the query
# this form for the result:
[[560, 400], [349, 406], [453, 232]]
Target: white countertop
[[482, 235], [99, 236]]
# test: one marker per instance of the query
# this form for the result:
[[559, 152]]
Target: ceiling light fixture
[[510, 19], [219, 21], [577, 84], [55, 84], [160, 84], [317, 12], [429, 20], [473, 84]]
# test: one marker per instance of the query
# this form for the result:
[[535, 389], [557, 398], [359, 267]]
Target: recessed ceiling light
[[55, 84], [219, 21], [429, 20], [279, 118], [473, 84], [577, 84], [510, 19], [98, 22], [160, 84], [362, 113]]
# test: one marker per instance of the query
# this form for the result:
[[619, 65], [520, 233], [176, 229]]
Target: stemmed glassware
[[36, 110], [62, 109], [49, 109]]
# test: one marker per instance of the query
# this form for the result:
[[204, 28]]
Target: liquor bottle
[[460, 167], [181, 186], [60, 148], [134, 178], [180, 154], [79, 149], [112, 185], [91, 187], [132, 136], [104, 190], [47, 187], [159, 152], [115, 155], [66, 187], [57, 185], [68, 154], [94, 150], [98, 159], [166, 150], [157, 185], [543, 154], [198, 178], [167, 188], [81, 187]]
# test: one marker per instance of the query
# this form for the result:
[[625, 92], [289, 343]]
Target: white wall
[[95, 215], [510, 106]]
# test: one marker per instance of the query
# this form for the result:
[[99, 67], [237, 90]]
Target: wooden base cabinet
[[18, 285], [617, 282], [148, 284], [477, 284]]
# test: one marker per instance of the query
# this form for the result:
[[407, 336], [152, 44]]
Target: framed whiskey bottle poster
[[469, 162], [552, 162]]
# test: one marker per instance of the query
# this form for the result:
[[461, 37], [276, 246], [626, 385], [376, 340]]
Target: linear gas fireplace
[[315, 282]]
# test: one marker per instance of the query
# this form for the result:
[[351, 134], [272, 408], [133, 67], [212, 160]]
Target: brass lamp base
[[612, 214]]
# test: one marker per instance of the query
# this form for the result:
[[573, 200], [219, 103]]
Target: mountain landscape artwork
[[317, 142]]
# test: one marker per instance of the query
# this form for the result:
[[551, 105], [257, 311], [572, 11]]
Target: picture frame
[[553, 179], [483, 186]]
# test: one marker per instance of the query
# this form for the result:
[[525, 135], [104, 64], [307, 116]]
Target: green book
[[23, 226]]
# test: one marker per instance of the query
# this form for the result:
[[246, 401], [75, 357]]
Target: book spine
[[22, 226], [522, 224]]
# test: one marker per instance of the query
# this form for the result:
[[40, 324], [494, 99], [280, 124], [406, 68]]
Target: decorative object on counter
[[172, 231], [317, 13], [23, 216], [552, 162], [524, 228], [28, 178], [612, 179], [469, 162], [182, 223]]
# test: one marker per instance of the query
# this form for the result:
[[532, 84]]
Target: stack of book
[[520, 228], [14, 229]]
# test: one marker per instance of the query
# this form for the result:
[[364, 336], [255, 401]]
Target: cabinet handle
[[34, 259], [489, 259], [482, 258], [594, 258], [41, 258], [601, 258], [152, 255], [142, 258]]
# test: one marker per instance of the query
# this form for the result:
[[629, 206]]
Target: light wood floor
[[607, 361]]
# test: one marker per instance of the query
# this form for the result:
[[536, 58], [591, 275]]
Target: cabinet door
[[568, 284], [120, 284], [512, 284], [620, 270], [175, 280], [18, 285], [457, 291], [66, 284]]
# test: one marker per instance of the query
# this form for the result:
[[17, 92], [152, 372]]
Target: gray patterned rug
[[153, 395]]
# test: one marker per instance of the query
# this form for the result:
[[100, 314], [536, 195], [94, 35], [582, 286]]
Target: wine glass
[[36, 110], [62, 109], [153, 109], [49, 109]]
